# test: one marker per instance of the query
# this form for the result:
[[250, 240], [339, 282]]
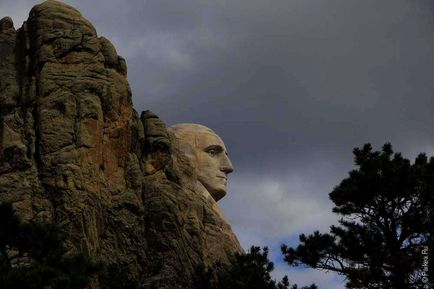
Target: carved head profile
[[207, 154]]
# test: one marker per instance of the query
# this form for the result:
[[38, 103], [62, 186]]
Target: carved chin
[[216, 187], [218, 194]]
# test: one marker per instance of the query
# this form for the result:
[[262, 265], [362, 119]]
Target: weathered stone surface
[[73, 151]]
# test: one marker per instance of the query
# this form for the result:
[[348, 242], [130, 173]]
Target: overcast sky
[[292, 86]]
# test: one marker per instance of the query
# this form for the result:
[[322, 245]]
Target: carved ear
[[157, 146]]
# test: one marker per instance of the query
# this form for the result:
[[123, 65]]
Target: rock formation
[[74, 152]]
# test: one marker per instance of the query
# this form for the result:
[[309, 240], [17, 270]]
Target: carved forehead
[[184, 128], [196, 134]]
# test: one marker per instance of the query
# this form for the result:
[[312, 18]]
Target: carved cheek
[[214, 165], [205, 162]]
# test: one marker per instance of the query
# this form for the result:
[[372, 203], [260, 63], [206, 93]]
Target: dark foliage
[[245, 271], [387, 213], [32, 256], [117, 276]]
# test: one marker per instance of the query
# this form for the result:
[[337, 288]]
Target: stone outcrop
[[74, 152]]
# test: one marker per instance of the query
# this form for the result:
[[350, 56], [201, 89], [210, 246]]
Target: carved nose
[[226, 166]]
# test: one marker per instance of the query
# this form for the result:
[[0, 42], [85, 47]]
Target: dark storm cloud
[[298, 80], [291, 86]]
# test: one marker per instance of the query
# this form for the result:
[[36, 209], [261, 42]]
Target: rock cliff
[[73, 151]]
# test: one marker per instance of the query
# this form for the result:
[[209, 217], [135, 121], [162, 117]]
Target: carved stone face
[[207, 154]]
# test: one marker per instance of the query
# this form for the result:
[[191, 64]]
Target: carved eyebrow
[[218, 148]]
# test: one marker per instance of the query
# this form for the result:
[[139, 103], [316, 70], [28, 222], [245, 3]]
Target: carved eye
[[212, 152]]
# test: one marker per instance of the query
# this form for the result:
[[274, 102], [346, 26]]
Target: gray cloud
[[291, 86]]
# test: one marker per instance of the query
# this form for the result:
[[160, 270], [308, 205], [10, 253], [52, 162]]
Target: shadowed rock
[[73, 151]]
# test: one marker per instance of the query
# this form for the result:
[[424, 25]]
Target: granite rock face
[[74, 152]]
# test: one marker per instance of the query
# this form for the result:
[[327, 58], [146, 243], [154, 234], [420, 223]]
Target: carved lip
[[222, 177]]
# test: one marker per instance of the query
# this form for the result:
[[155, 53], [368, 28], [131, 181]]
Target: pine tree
[[245, 271], [32, 256], [386, 209]]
